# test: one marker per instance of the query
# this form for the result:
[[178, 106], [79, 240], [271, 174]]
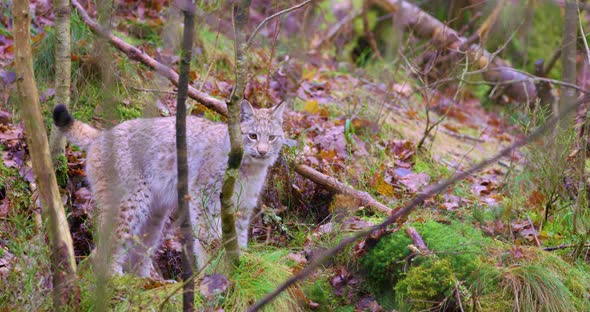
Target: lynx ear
[[247, 110], [277, 111]]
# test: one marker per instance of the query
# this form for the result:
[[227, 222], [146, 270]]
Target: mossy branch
[[63, 266], [228, 224]]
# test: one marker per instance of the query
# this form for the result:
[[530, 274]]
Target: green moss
[[15, 188], [260, 272], [320, 291], [425, 164], [384, 263], [430, 282], [60, 165]]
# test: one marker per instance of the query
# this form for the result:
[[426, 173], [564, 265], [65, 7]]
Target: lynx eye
[[271, 138], [252, 136]]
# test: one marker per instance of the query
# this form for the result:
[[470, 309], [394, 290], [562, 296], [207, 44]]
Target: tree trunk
[[63, 66], [62, 253], [228, 224], [188, 295]]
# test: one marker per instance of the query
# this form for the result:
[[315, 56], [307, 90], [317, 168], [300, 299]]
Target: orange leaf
[[383, 187]]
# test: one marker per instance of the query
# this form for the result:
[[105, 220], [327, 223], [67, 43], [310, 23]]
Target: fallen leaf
[[383, 187], [311, 107], [212, 285], [415, 181]]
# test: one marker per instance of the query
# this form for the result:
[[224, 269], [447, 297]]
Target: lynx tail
[[75, 131]]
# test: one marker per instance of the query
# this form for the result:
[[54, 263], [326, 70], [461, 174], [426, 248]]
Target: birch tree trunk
[[63, 66], [188, 295], [228, 224], [63, 265]]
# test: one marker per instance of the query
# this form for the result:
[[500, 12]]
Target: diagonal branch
[[405, 211], [136, 55]]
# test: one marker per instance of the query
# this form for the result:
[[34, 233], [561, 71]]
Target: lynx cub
[[132, 171]]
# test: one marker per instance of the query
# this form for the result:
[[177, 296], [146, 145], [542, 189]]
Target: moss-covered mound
[[465, 270]]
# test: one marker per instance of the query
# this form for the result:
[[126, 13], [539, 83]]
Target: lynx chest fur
[[132, 171]]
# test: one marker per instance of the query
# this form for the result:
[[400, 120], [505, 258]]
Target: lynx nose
[[262, 149]]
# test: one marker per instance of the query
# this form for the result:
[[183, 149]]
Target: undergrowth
[[466, 268]]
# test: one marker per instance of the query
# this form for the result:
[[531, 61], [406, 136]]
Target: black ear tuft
[[61, 116]]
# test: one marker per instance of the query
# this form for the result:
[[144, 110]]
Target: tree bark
[[228, 224], [63, 68], [495, 70], [63, 264], [188, 257]]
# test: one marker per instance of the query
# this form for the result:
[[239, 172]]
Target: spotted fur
[[132, 172]]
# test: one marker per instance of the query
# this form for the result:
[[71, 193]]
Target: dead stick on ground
[[405, 211], [136, 55], [337, 186], [417, 239], [534, 231]]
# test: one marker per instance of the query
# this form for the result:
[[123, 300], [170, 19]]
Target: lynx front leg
[[151, 237], [133, 211], [203, 231], [242, 226]]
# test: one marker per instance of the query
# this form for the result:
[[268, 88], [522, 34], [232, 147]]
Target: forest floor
[[364, 126]]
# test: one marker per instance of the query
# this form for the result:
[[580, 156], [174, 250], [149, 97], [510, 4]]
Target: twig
[[458, 296], [554, 57], [337, 186], [137, 55], [534, 231], [470, 24], [266, 20], [559, 247], [368, 32], [417, 239], [323, 257], [153, 90], [335, 29], [461, 136]]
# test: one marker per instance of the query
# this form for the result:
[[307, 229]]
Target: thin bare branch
[[268, 19]]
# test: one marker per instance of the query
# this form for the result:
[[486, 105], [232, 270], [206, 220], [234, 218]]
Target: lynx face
[[262, 132]]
